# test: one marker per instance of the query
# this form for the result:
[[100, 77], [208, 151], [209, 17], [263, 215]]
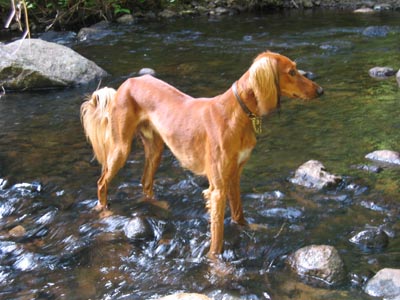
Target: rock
[[385, 283], [138, 228], [313, 174], [319, 262], [185, 296], [126, 19], [386, 156], [59, 37], [167, 14], [398, 77], [364, 10], [37, 64], [219, 11], [146, 71], [290, 213], [381, 72], [376, 31], [371, 239], [307, 3], [370, 168], [92, 33], [17, 231], [382, 7]]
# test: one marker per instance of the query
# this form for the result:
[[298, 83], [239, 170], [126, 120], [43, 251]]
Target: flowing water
[[66, 251]]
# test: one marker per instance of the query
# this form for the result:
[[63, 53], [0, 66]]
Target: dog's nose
[[320, 91]]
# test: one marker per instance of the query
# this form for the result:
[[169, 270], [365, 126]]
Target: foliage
[[73, 14]]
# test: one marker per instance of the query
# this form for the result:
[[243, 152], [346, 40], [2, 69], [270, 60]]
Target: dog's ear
[[263, 81]]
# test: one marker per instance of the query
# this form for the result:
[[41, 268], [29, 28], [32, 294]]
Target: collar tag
[[257, 124]]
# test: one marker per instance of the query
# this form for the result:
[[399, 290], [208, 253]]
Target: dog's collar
[[255, 120]]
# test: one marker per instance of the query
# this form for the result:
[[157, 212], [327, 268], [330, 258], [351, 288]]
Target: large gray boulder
[[36, 64], [385, 283]]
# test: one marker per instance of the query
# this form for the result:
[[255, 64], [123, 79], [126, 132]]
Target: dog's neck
[[255, 118]]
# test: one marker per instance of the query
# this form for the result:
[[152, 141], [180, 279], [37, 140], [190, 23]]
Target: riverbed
[[48, 176]]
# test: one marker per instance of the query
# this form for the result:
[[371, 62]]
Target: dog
[[212, 137]]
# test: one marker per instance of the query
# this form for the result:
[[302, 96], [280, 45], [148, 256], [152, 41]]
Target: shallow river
[[49, 182]]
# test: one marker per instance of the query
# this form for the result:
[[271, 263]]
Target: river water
[[66, 251]]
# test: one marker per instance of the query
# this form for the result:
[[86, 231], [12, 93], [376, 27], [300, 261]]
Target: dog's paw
[[102, 210]]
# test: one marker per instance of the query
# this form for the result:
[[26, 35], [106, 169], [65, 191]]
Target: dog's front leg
[[235, 202], [217, 201]]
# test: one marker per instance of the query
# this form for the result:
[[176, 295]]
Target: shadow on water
[[52, 246]]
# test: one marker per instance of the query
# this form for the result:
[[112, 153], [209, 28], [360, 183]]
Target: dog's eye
[[292, 72]]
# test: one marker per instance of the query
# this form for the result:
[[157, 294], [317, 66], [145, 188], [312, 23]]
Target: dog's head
[[273, 75]]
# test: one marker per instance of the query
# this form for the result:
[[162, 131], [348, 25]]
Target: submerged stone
[[313, 174], [387, 156], [376, 31], [138, 228], [381, 72], [319, 262], [17, 231], [371, 239]]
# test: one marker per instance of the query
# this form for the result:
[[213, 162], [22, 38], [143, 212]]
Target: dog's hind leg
[[153, 148]]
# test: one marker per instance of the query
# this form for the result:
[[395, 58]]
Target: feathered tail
[[95, 120]]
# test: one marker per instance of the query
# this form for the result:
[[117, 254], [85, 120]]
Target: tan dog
[[212, 137]]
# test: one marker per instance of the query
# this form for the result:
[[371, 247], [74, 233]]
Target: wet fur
[[212, 137]]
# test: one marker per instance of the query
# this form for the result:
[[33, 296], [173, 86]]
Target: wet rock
[[364, 10], [126, 19], [146, 71], [167, 14], [386, 156], [59, 37], [382, 7], [376, 31], [307, 3], [371, 239], [381, 72], [319, 262], [17, 231], [138, 228], [313, 174], [290, 213], [185, 296], [37, 64], [220, 11], [385, 283], [370, 168], [92, 33], [373, 206]]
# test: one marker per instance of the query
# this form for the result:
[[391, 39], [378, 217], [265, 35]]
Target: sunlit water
[[68, 252]]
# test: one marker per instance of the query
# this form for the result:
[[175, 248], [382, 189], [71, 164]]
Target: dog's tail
[[95, 117]]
